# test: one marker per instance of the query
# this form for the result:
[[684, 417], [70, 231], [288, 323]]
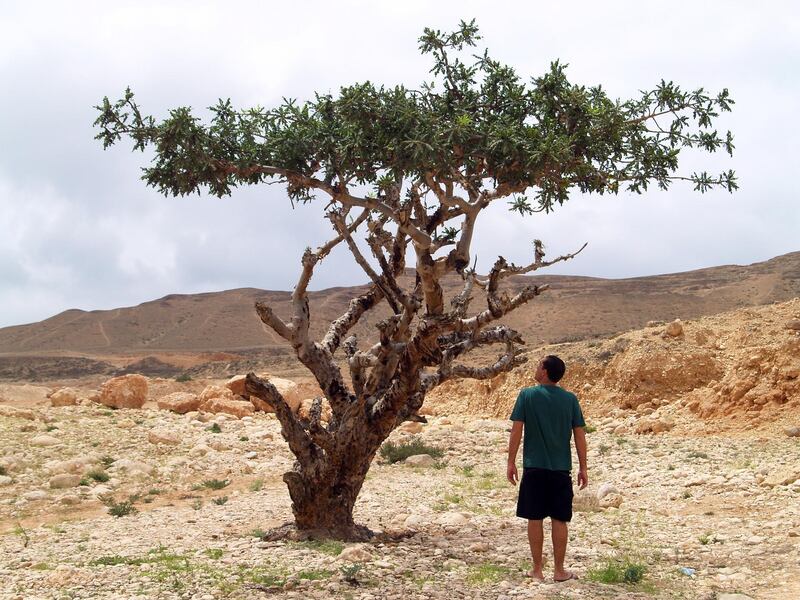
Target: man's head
[[550, 370]]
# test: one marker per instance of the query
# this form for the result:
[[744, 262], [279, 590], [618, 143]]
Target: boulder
[[127, 391], [794, 325], [65, 480], [179, 402], [605, 489], [215, 392], [163, 436], [64, 397], [45, 440], [611, 501], [236, 385], [235, 408], [653, 426], [5, 480], [674, 329], [452, 519], [783, 477], [287, 388], [355, 553], [305, 407], [792, 431], [420, 460], [410, 427]]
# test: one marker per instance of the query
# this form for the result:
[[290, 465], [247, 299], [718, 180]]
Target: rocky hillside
[[734, 371], [575, 308]]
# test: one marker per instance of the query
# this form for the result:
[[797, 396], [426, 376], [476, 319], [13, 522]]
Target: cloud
[[79, 229]]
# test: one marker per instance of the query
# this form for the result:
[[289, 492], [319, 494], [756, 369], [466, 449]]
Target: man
[[549, 416]]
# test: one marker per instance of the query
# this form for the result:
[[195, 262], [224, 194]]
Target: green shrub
[[107, 461], [487, 573], [3, 470], [121, 509], [616, 570], [183, 378], [215, 428], [396, 452], [98, 475], [216, 484], [330, 547], [256, 485], [214, 553], [220, 500]]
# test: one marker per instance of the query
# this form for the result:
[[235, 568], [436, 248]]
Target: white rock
[[605, 489], [452, 519], [5, 480], [163, 436], [64, 480], [35, 495], [45, 440], [420, 460], [355, 553]]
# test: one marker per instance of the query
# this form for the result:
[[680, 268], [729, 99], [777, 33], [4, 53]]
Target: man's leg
[[560, 531], [536, 540]]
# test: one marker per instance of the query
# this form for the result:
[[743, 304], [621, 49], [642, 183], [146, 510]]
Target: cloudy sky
[[78, 229]]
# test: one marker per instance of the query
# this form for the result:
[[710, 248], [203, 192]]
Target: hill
[[182, 331]]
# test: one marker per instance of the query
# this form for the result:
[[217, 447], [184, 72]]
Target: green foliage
[[487, 573], [256, 485], [350, 572], [477, 118], [330, 547], [393, 453], [220, 500], [259, 533], [3, 470], [617, 570], [214, 553], [215, 428], [98, 475], [314, 574], [121, 509], [216, 484], [107, 461], [183, 378]]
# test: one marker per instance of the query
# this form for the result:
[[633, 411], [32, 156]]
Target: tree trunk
[[323, 503]]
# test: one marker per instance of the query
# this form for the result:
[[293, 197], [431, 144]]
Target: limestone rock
[[653, 426], [611, 500], [214, 392], [35, 495], [236, 385], [236, 408], [45, 440], [792, 431], [410, 427], [179, 402], [785, 476], [305, 407], [420, 460], [794, 325], [64, 397], [453, 519], [5, 480], [605, 489], [355, 553], [64, 480], [674, 329], [127, 391], [163, 436], [287, 388]]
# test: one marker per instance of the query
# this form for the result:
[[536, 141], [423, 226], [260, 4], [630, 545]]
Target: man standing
[[549, 416]]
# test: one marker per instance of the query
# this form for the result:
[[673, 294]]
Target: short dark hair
[[555, 367]]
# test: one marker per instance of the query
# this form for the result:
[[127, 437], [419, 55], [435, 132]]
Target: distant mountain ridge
[[574, 308]]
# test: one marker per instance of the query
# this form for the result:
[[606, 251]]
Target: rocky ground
[[694, 453], [703, 516]]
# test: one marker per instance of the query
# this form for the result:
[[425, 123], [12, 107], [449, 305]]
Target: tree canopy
[[412, 170]]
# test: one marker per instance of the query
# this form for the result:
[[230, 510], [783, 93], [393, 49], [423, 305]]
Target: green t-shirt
[[550, 413]]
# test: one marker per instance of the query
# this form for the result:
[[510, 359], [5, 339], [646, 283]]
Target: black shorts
[[544, 493]]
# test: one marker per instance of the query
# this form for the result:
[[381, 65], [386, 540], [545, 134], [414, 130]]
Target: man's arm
[[513, 447], [580, 445]]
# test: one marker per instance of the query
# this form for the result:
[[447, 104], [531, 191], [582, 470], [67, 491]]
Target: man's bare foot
[[564, 576], [535, 574]]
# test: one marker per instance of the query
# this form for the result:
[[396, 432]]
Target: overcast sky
[[79, 229]]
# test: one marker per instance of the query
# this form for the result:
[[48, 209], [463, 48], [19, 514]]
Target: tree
[[411, 171]]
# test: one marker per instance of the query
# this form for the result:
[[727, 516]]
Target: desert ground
[[694, 457]]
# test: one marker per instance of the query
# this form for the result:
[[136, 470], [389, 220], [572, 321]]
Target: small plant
[[98, 475], [468, 470], [616, 570], [590, 429], [121, 509], [686, 494], [487, 573], [107, 461], [440, 464], [154, 491], [330, 547], [314, 574], [453, 498], [197, 504], [216, 484], [396, 452], [214, 553], [85, 481], [183, 378], [694, 454], [20, 531], [42, 566], [258, 533], [3, 470], [708, 538], [350, 573], [220, 500], [215, 428], [603, 449], [50, 428], [244, 438], [256, 485]]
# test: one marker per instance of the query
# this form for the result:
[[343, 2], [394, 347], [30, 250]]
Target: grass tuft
[[487, 573], [616, 570], [216, 484], [396, 452], [330, 547]]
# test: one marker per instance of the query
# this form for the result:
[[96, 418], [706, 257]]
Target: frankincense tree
[[411, 171]]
